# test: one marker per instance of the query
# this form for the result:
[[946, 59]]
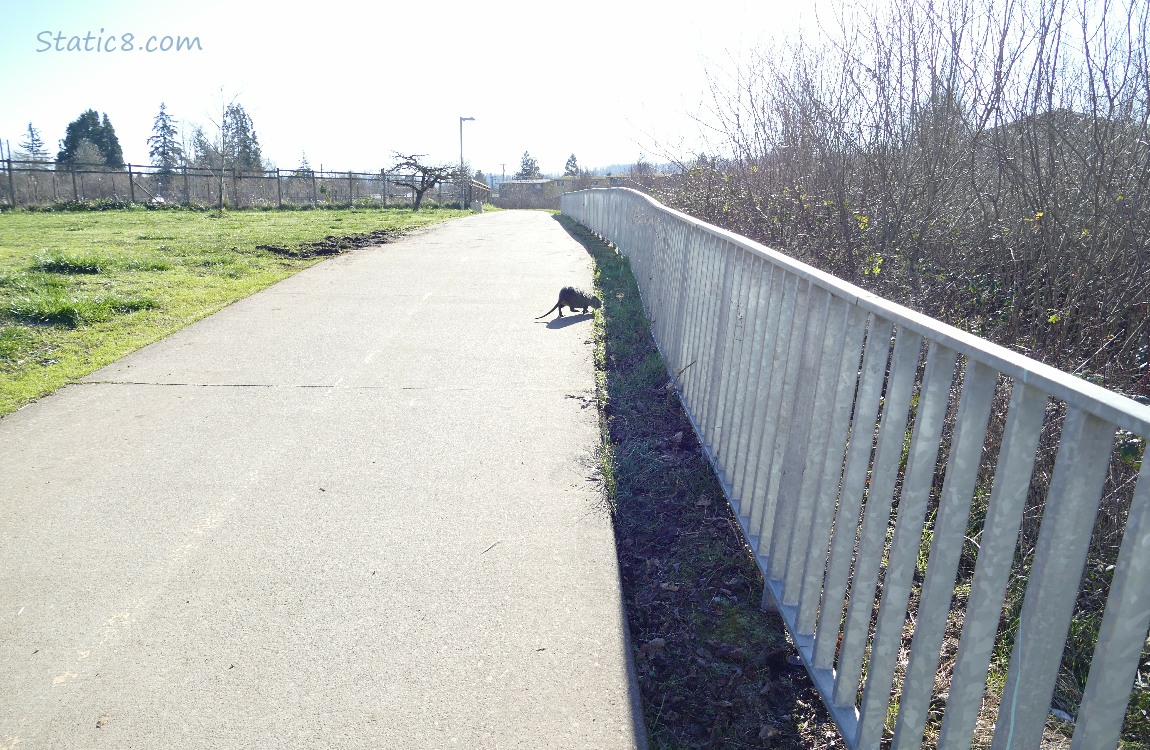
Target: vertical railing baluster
[[719, 336], [676, 337], [1123, 633], [782, 415], [819, 437], [851, 492], [876, 512], [781, 296], [795, 440], [728, 384], [995, 559], [949, 535], [1048, 604], [677, 313], [826, 491], [651, 277], [934, 396], [762, 512], [698, 376], [693, 306], [752, 369], [672, 263]]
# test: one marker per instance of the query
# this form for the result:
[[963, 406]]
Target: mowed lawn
[[81, 289]]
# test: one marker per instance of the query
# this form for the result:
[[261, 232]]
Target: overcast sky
[[348, 83]]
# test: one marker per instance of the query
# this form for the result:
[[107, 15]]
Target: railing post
[[851, 494], [826, 488], [1009, 490], [11, 184], [796, 438], [905, 547], [876, 512], [762, 364], [763, 499], [1122, 635], [1067, 520]]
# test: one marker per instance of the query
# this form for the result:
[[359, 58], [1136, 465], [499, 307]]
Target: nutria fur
[[574, 298]]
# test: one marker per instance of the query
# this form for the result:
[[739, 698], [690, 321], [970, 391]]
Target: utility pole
[[465, 187]]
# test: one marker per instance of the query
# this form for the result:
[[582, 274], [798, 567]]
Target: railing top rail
[[1120, 410]]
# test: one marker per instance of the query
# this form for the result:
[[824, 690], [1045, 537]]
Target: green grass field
[[81, 289]]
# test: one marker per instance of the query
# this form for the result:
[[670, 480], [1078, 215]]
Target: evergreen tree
[[109, 144], [304, 169], [571, 169], [205, 154], [90, 129], [33, 145], [528, 168], [164, 147], [80, 129], [240, 147], [234, 147]]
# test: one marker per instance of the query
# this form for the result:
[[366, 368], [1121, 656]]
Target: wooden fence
[[31, 184]]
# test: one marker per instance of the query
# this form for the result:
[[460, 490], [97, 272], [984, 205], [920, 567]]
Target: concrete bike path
[[355, 510]]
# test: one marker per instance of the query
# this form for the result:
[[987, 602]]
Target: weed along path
[[355, 510]]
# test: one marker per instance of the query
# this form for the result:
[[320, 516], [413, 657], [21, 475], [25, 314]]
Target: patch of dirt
[[332, 245], [715, 671]]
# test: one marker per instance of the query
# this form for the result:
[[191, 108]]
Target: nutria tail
[[544, 315]]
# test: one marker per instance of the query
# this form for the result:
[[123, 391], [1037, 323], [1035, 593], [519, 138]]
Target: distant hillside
[[611, 169], [616, 169]]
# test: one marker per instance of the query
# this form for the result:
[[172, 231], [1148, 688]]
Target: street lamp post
[[462, 193]]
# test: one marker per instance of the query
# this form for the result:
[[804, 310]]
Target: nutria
[[574, 298]]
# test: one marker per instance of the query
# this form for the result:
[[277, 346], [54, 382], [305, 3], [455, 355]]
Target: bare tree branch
[[412, 172]]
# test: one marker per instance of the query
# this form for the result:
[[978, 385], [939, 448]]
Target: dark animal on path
[[574, 298]]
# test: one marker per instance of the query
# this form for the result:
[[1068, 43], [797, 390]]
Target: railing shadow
[[712, 668]]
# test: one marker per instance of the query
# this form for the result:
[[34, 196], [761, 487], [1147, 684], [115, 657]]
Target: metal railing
[[802, 389], [43, 183]]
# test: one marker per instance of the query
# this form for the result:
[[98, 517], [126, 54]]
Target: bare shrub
[[986, 163]]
